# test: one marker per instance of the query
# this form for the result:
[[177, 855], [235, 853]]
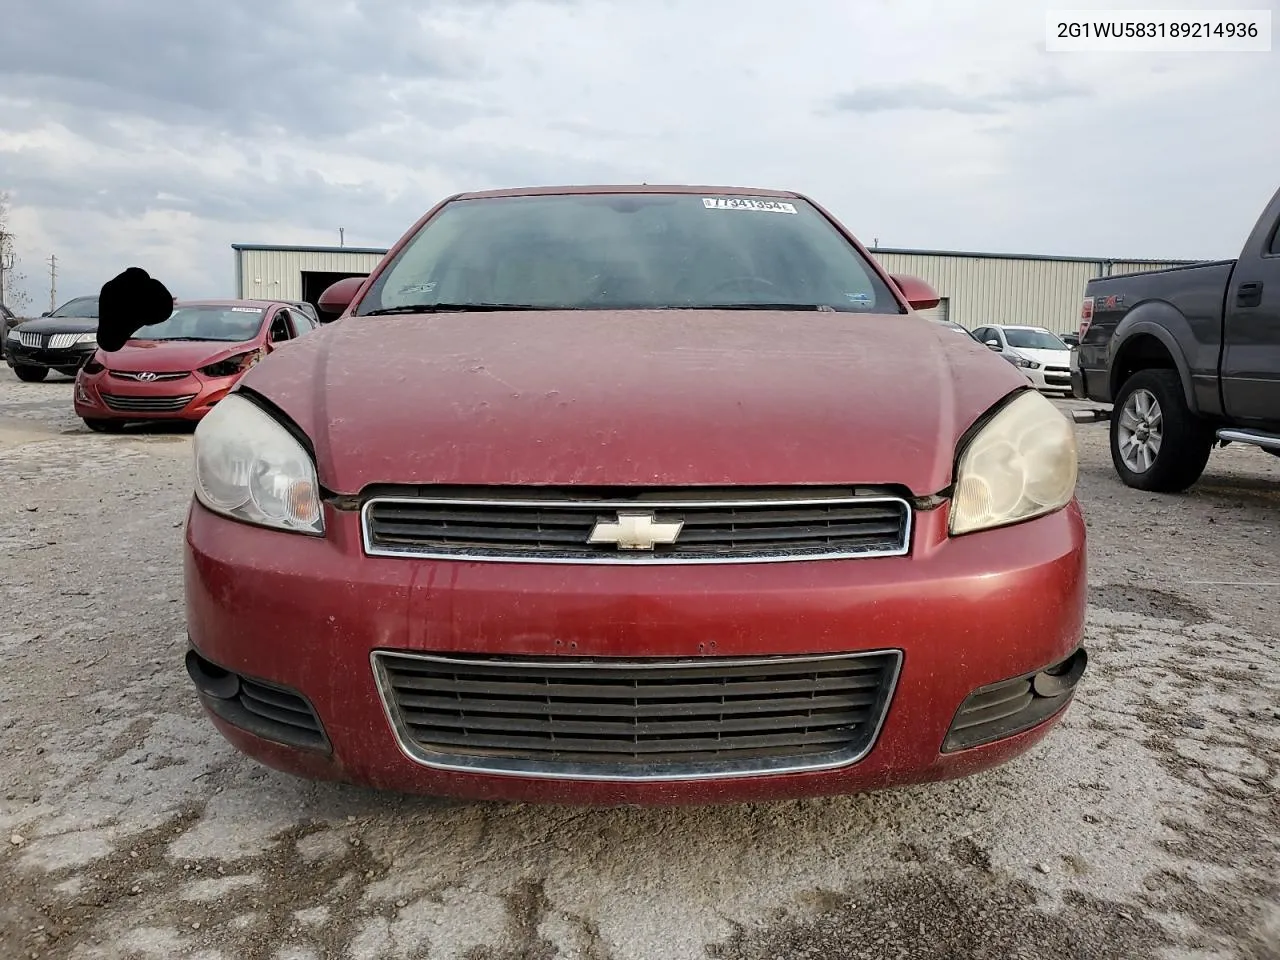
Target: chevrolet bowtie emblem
[[635, 531]]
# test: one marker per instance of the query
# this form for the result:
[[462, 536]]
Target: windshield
[[212, 322], [82, 308], [1034, 340], [630, 251]]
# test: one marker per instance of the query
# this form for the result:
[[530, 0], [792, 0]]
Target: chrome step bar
[[1090, 416], [1258, 438]]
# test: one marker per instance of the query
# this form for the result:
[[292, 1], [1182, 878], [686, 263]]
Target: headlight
[[1024, 363], [232, 365], [1022, 464], [14, 334], [87, 338], [251, 468]]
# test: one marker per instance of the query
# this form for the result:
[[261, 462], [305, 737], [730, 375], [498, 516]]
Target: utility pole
[[6, 264], [53, 282]]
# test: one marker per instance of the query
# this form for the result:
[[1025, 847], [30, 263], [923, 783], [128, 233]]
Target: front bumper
[[101, 396], [302, 618], [1050, 380], [65, 359]]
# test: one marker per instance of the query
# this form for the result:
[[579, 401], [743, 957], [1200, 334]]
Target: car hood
[[1046, 358], [59, 325], [165, 356], [656, 398]]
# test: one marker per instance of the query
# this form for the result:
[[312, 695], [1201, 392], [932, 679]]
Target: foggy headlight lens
[[250, 467], [1020, 465]]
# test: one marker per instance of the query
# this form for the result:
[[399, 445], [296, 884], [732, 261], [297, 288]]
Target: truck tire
[[30, 374], [1157, 443]]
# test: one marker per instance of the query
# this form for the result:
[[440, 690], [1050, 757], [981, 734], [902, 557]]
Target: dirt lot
[[1146, 826]]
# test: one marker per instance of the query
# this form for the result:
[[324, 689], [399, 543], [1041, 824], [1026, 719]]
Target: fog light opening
[[211, 679], [1061, 677]]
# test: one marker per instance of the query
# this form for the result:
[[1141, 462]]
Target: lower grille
[[608, 719], [682, 526], [1011, 706], [266, 710], [146, 404]]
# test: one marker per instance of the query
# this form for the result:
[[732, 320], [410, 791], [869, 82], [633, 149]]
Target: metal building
[[976, 289], [297, 273]]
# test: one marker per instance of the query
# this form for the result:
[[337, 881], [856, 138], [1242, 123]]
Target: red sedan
[[179, 368], [634, 495]]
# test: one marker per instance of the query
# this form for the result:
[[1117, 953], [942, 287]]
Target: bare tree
[[12, 280]]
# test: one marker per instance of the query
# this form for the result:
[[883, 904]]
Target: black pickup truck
[[1189, 358]]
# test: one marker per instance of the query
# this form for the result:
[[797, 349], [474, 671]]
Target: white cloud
[[921, 123]]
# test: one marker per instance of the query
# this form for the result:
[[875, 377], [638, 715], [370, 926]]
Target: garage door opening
[[941, 312], [315, 282]]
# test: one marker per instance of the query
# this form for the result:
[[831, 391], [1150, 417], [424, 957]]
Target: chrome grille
[[147, 376], [60, 341], [716, 526], [636, 719], [36, 341], [146, 404]]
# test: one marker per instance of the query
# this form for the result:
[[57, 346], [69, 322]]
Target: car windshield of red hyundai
[[214, 322], [628, 252]]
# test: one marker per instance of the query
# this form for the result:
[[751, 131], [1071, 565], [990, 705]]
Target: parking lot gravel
[[1147, 825]]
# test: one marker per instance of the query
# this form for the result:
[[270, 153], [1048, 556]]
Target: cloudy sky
[[140, 132]]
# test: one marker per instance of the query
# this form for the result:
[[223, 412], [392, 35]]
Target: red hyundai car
[[179, 368], [634, 495]]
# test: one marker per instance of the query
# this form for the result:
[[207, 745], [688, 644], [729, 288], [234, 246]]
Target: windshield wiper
[[449, 308]]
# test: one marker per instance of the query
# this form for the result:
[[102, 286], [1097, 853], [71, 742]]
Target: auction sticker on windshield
[[748, 203]]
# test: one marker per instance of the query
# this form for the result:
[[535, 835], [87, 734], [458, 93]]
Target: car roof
[[1020, 326], [228, 303], [548, 191]]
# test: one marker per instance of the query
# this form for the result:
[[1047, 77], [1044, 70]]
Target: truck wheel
[[30, 374], [1157, 443]]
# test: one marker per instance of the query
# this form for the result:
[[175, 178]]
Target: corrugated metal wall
[[977, 289], [1014, 290], [277, 274]]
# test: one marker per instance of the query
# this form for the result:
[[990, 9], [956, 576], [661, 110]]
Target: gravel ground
[[1146, 826]]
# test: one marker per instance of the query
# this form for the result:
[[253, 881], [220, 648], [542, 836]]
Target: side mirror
[[919, 295], [47, 313], [338, 297], [993, 344]]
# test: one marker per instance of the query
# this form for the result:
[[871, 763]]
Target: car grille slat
[[785, 525], [977, 715], [560, 727], [146, 404], [274, 705], [637, 747], [636, 719], [727, 707], [598, 691]]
